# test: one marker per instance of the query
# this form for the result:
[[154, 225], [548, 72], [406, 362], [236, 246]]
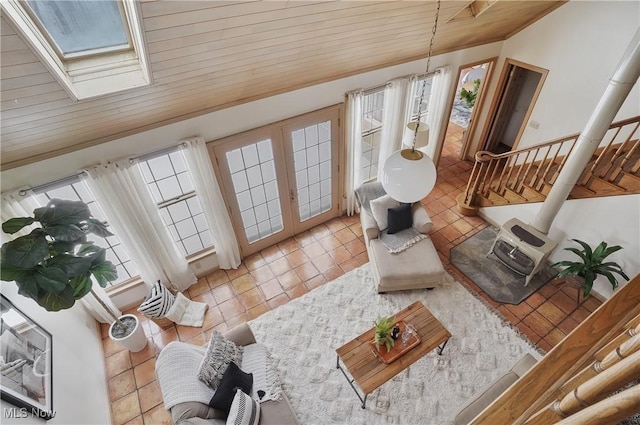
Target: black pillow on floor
[[232, 379], [399, 218]]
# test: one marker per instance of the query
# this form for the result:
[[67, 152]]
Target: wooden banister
[[531, 171], [601, 385], [608, 411]]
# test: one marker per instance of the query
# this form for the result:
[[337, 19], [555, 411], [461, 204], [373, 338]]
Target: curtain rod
[[60, 182], [150, 155], [75, 177], [373, 89]]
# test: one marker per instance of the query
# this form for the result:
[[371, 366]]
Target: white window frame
[[96, 74], [165, 204], [374, 131]]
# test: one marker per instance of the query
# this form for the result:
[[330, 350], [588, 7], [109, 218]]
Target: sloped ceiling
[[209, 55]]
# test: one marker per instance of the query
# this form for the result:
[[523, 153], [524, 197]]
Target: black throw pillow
[[399, 218], [232, 379]]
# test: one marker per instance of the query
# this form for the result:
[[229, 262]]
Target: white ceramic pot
[[136, 340]]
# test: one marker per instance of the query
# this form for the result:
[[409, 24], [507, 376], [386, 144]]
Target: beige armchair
[[415, 267]]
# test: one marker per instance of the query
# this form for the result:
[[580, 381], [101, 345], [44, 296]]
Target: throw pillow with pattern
[[220, 353]]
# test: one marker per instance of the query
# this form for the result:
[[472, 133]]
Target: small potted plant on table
[[386, 332]]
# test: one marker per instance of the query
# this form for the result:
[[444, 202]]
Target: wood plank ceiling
[[209, 55]]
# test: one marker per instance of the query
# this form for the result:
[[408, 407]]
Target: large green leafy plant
[[54, 263], [591, 265]]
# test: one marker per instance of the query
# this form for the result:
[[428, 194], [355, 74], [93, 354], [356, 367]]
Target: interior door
[[505, 108], [281, 179]]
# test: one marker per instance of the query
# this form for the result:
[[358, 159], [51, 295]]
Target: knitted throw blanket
[[177, 371]]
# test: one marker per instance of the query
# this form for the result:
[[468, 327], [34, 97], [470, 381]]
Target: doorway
[[466, 104], [281, 179], [517, 92]]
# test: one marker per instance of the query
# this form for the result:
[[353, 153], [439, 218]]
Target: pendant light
[[409, 175]]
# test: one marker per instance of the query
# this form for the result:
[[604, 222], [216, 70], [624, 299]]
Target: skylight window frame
[[88, 53], [92, 75]]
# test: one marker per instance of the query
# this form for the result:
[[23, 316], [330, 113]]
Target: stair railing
[[535, 169]]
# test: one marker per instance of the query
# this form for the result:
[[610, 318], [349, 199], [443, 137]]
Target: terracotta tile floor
[[296, 266]]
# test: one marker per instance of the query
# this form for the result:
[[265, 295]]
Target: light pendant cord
[[433, 36]]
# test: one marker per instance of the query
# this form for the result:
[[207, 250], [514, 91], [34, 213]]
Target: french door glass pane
[[312, 163], [253, 174]]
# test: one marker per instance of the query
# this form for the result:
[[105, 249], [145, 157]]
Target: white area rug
[[304, 333]]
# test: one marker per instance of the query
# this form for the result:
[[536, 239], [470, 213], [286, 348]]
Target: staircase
[[527, 175], [590, 377]]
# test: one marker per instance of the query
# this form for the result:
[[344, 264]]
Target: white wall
[[80, 394], [615, 220], [581, 44]]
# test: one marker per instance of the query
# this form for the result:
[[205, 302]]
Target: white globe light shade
[[408, 180]]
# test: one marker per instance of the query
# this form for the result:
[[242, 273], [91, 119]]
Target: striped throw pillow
[[244, 410], [158, 302]]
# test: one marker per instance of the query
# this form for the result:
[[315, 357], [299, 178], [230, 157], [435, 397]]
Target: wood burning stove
[[522, 248]]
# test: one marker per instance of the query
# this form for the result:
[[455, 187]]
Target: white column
[[620, 85]]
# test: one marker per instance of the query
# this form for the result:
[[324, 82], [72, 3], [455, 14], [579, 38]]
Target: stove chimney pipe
[[620, 85]]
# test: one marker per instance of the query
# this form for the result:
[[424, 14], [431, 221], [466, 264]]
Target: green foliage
[[382, 336], [54, 263], [469, 96], [591, 265]]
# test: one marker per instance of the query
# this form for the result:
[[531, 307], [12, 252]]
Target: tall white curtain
[[353, 120], [127, 203], [437, 105], [395, 116], [21, 203], [215, 211]]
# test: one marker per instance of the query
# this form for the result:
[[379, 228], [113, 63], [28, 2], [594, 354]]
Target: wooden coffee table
[[368, 372]]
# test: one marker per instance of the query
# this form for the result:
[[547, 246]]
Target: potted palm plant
[[584, 271], [54, 263], [385, 333]]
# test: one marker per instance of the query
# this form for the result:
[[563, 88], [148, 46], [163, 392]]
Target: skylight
[[91, 47], [79, 28]]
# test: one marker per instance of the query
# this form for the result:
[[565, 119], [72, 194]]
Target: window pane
[[183, 218], [186, 228], [192, 244], [161, 167], [186, 185], [169, 188], [179, 211], [65, 192], [80, 26], [177, 159], [310, 170]]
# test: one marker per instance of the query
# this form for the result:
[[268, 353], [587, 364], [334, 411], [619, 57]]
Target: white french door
[[281, 179]]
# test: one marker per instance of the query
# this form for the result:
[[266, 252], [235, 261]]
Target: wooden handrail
[[601, 385], [535, 168], [543, 382], [608, 411]]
